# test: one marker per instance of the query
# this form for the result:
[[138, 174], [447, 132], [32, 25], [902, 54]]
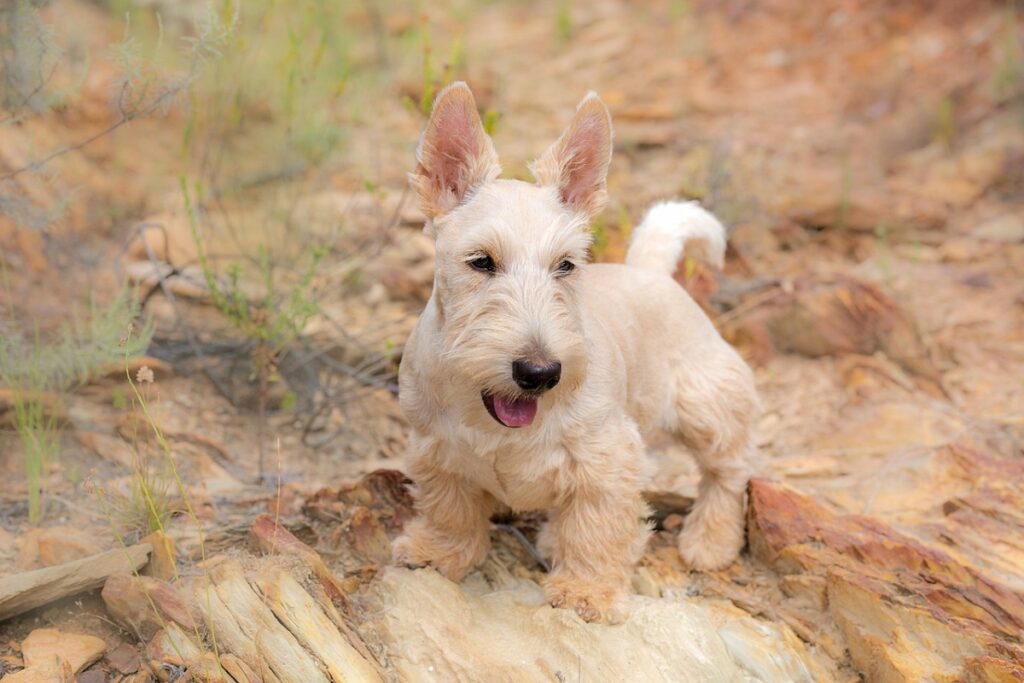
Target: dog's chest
[[520, 480]]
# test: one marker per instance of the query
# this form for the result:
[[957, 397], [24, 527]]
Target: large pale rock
[[436, 631]]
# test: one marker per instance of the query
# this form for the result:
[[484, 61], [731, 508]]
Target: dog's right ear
[[455, 154]]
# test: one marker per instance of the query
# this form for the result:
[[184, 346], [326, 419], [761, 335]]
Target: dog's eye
[[566, 267], [485, 264]]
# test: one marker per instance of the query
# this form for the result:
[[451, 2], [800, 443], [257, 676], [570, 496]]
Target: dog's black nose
[[532, 376]]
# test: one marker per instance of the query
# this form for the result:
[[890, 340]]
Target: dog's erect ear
[[577, 164], [455, 154]]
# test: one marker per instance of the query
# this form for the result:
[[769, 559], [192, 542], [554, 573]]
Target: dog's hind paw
[[710, 552]]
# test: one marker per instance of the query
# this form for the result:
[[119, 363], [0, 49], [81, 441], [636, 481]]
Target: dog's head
[[510, 254]]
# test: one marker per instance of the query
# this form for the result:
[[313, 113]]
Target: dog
[[532, 375]]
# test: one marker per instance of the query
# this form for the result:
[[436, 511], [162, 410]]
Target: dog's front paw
[[593, 602], [421, 545], [710, 548]]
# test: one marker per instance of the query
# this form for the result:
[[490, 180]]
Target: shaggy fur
[[636, 353]]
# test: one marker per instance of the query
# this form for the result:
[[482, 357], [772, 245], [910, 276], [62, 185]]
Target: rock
[[51, 403], [907, 611], [124, 659], [9, 662], [819, 199], [894, 644], [108, 447], [306, 620], [818, 318], [959, 178], [162, 563], [208, 669], [144, 605], [8, 550], [987, 516], [270, 537], [169, 238], [116, 371], [765, 651], [8, 543], [42, 674], [186, 283], [1008, 228], [806, 590], [28, 549], [962, 250], [172, 646], [61, 544], [237, 669], [247, 627], [91, 676], [438, 631], [668, 508], [48, 647]]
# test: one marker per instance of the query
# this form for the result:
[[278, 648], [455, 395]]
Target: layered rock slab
[[908, 611]]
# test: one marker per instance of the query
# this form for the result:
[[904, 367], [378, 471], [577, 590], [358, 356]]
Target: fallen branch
[[20, 593]]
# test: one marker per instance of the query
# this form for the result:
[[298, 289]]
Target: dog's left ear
[[577, 164]]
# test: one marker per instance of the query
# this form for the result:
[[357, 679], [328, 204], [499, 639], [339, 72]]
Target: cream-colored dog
[[532, 375]]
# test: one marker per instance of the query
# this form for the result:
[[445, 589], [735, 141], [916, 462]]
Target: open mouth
[[511, 412]]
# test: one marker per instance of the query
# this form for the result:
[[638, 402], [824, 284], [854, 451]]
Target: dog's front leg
[[452, 531], [598, 531]]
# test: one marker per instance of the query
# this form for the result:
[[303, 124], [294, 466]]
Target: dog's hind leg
[[452, 531], [716, 406]]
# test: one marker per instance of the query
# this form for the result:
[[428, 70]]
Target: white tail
[[669, 229]]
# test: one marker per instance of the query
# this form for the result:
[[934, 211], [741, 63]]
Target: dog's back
[[658, 330]]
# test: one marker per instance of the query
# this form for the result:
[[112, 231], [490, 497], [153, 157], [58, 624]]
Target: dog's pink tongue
[[515, 412]]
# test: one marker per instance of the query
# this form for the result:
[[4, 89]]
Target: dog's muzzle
[[534, 379]]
